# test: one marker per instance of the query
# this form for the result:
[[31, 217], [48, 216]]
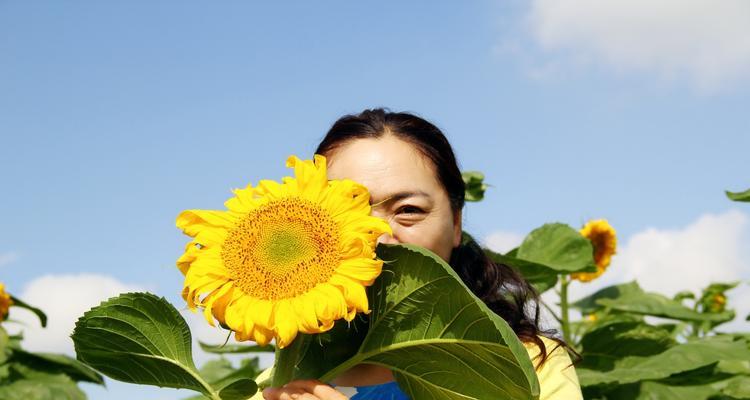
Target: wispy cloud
[[8, 258], [701, 42]]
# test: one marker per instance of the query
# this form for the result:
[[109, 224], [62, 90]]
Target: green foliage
[[425, 325], [221, 373], [739, 196], [558, 247], [141, 338], [627, 357], [39, 313], [27, 384], [547, 253], [26, 375], [475, 186], [540, 276], [235, 348], [438, 339]]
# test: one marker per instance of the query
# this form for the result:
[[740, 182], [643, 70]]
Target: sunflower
[[718, 303], [604, 240], [5, 302], [285, 257]]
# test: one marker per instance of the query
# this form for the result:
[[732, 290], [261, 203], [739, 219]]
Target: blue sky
[[115, 117]]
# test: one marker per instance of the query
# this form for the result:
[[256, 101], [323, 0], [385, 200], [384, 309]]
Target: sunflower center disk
[[282, 249]]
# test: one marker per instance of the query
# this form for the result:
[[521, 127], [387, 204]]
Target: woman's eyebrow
[[399, 196]]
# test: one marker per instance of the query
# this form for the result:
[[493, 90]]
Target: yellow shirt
[[557, 377]]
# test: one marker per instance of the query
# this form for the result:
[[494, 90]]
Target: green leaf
[[737, 387], [657, 305], [39, 313], [589, 304], [540, 276], [559, 247], [4, 342], [220, 373], [139, 338], [685, 294], [612, 341], [214, 370], [235, 348], [739, 196], [58, 363], [680, 358], [239, 390], [475, 187], [660, 391], [440, 341], [42, 387]]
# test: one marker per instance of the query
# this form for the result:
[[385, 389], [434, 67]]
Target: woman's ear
[[457, 231]]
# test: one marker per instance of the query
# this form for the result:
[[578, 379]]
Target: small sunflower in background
[[5, 302], [285, 257], [604, 240], [718, 303]]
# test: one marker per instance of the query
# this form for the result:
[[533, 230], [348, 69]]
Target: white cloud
[[703, 42], [502, 241], [8, 258], [64, 298]]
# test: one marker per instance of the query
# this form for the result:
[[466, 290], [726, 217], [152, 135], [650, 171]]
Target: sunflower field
[[398, 306]]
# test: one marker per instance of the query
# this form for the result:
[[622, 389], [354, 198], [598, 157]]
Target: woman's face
[[404, 190]]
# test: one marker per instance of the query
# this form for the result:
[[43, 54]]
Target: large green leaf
[[739, 196], [140, 338], [680, 358], [660, 306], [607, 343], [440, 341], [589, 304], [540, 276], [559, 247], [726, 388], [42, 387], [630, 298], [57, 363]]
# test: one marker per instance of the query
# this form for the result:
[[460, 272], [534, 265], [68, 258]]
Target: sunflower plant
[[635, 344], [28, 375], [297, 263]]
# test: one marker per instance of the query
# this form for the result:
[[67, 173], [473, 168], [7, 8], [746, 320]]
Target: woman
[[415, 184]]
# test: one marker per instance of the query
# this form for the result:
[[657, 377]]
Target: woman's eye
[[409, 210]]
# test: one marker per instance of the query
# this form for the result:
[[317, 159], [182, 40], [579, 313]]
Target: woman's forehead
[[386, 166]]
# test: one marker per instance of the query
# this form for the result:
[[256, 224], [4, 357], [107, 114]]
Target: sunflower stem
[[564, 282], [287, 359]]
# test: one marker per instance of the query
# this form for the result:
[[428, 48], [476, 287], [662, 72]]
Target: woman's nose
[[387, 239]]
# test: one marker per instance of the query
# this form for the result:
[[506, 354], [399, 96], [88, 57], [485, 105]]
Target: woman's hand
[[304, 390]]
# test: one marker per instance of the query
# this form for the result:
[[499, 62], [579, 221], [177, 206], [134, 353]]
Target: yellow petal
[[354, 293], [192, 221], [285, 322], [362, 270]]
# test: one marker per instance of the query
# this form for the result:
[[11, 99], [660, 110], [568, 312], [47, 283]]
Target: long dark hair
[[503, 289]]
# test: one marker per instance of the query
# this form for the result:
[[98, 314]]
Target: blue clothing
[[385, 391]]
